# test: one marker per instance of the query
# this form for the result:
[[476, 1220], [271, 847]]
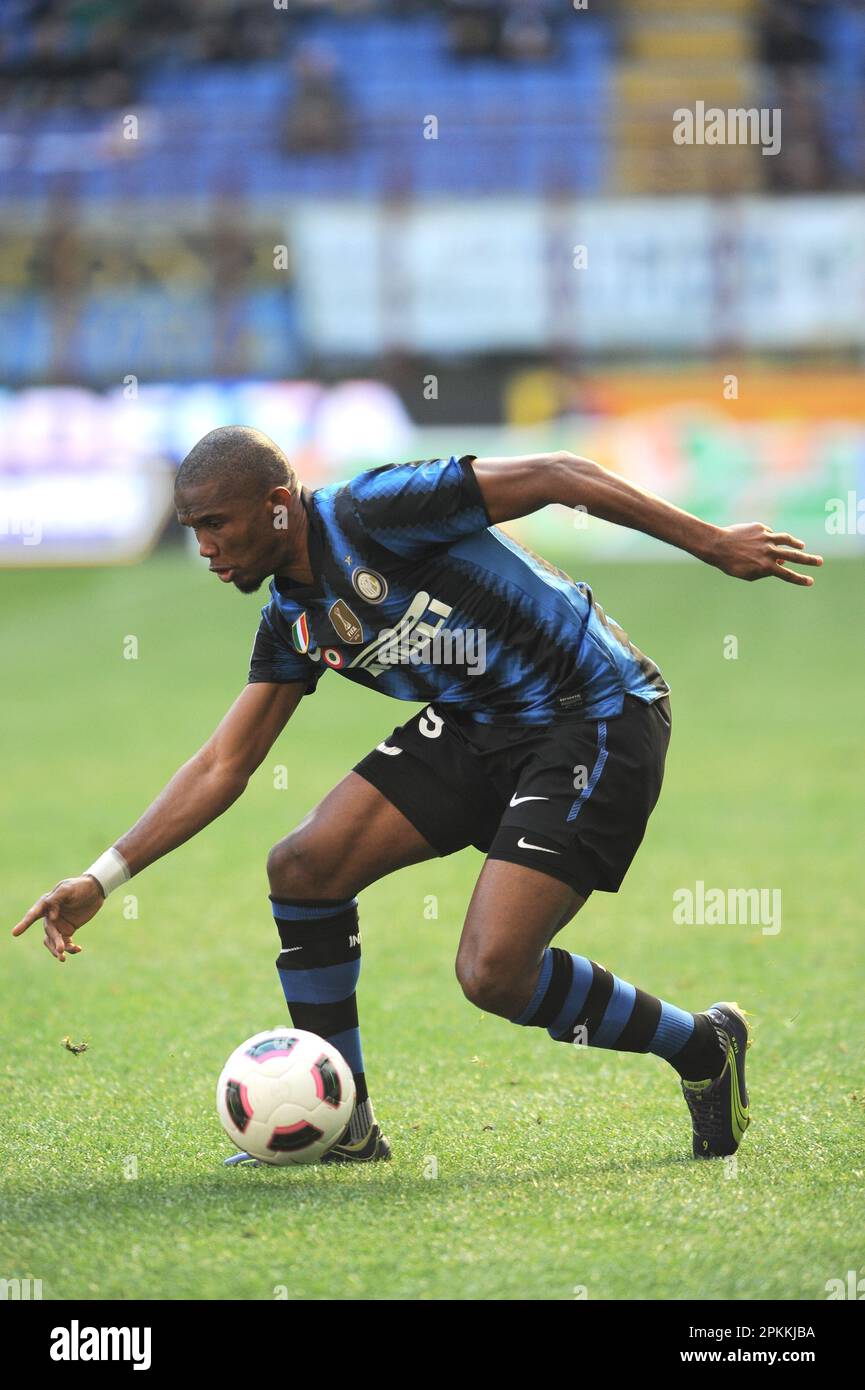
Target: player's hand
[[66, 908], [754, 551]]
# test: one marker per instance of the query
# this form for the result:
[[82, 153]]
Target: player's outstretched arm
[[515, 487], [198, 792]]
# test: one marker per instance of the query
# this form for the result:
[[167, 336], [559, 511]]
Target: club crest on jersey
[[300, 635], [371, 585], [346, 624]]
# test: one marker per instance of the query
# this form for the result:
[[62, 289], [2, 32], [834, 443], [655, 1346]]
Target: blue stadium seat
[[394, 72]]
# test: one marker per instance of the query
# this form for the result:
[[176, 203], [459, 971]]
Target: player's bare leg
[[351, 838], [506, 966], [513, 916]]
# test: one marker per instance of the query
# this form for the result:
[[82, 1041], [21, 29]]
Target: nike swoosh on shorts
[[524, 844], [515, 800]]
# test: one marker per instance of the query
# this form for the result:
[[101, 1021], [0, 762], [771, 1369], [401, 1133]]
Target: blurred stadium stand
[[241, 111], [214, 210]]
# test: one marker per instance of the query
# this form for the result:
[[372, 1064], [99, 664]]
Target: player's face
[[236, 535]]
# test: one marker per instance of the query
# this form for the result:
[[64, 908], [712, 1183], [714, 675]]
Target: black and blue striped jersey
[[417, 595]]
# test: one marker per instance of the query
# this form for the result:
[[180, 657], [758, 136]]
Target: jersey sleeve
[[410, 507], [275, 660]]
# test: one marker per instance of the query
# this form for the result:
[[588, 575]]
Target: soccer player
[[541, 740]]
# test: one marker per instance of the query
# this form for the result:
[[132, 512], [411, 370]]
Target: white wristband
[[110, 870]]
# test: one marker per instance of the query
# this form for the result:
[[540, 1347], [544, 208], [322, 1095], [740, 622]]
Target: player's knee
[[491, 983], [298, 868]]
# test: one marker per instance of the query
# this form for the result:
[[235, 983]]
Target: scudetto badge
[[371, 585]]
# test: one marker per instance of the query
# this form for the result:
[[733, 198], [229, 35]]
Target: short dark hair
[[244, 459]]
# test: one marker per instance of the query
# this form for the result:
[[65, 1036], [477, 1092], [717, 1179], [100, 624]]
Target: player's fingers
[[49, 947], [54, 936], [797, 555], [791, 576], [784, 538], [64, 929], [36, 911], [54, 941]]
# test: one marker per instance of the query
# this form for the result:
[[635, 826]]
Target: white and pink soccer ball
[[285, 1096]]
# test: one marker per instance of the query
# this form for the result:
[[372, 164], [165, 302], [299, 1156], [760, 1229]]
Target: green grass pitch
[[522, 1168]]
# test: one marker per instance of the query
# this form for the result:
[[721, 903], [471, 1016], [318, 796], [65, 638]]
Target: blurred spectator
[[791, 48], [527, 31], [318, 119], [512, 29], [474, 28], [788, 34], [227, 249], [805, 161]]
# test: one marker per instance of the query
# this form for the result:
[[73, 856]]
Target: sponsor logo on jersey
[[413, 627], [300, 635], [348, 627], [371, 585]]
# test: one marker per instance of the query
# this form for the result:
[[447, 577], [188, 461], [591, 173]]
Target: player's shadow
[[222, 1198]]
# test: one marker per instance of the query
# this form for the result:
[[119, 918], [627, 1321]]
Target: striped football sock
[[577, 1000], [318, 966]]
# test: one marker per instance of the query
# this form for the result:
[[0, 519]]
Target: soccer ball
[[285, 1096]]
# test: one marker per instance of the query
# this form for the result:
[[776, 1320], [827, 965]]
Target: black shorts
[[571, 798]]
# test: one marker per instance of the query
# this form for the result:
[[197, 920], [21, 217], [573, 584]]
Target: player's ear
[[281, 497], [278, 504]]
